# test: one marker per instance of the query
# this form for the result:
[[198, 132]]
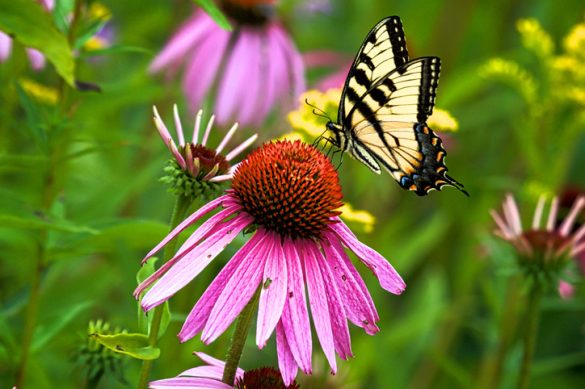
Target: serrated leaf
[[211, 9], [134, 345], [27, 22]]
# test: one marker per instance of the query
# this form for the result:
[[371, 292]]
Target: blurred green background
[[111, 209]]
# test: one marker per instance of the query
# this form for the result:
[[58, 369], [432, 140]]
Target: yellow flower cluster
[[98, 11], [565, 72], [307, 119], [365, 219]]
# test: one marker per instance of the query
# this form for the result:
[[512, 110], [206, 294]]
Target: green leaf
[[33, 118], [27, 22], [211, 9], [134, 345], [44, 334], [34, 223]]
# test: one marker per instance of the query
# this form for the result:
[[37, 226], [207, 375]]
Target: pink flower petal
[[358, 303], [272, 294], [36, 58], [217, 362], [255, 73], [215, 372], [341, 339], [182, 272], [295, 316], [234, 83], [389, 279], [188, 382], [286, 362], [318, 301], [296, 68], [200, 313], [202, 68], [238, 291], [5, 46], [188, 35], [187, 222]]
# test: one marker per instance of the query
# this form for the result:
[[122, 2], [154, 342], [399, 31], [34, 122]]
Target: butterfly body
[[384, 107]]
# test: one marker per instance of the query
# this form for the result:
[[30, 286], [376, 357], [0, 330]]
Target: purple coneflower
[[542, 249], [37, 60], [195, 166], [210, 376], [288, 193], [252, 68]]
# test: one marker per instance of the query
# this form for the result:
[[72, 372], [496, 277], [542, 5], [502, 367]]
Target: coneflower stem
[[530, 334], [239, 339], [182, 204]]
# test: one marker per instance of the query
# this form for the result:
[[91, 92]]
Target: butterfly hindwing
[[384, 107]]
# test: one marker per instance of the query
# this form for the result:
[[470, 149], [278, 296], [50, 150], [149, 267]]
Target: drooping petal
[[209, 228], [389, 279], [203, 66], [217, 362], [272, 294], [188, 35], [295, 316], [358, 302], [210, 206], [188, 382], [296, 68], [255, 73], [234, 84], [538, 213], [286, 362], [318, 301], [238, 291], [200, 313], [578, 205], [341, 339], [512, 214], [182, 272]]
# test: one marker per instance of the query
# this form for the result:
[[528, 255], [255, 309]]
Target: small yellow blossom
[[292, 136], [364, 218], [535, 38], [42, 93], [95, 43], [442, 120], [304, 118], [511, 72], [574, 42], [98, 11]]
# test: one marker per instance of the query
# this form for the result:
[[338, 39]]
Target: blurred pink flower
[[208, 376], [542, 249], [289, 193], [37, 60], [252, 69]]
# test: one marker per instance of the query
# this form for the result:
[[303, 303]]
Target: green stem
[[239, 340], [493, 364], [532, 316], [182, 204]]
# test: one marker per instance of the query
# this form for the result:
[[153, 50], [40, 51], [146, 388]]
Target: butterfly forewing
[[383, 50], [384, 107]]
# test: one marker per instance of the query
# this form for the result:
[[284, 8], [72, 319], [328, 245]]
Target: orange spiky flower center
[[290, 188]]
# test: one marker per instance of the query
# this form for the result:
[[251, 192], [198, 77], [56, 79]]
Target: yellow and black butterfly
[[384, 107]]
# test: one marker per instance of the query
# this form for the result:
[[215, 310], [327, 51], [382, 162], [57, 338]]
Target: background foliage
[[111, 209]]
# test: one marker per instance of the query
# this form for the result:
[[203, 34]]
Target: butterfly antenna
[[318, 111]]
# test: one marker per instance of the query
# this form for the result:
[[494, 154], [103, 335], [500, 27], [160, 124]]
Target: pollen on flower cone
[[290, 188]]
